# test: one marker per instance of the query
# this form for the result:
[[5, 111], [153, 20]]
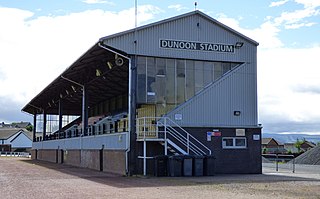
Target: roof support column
[[132, 117], [60, 116], [84, 110], [44, 133], [34, 130]]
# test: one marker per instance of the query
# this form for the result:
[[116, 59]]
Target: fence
[[15, 154]]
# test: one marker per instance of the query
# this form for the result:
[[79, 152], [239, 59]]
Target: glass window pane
[[180, 75], [151, 79], [240, 142], [207, 73], [141, 80], [217, 70], [161, 80], [170, 83], [226, 67], [228, 141], [189, 79], [198, 75]]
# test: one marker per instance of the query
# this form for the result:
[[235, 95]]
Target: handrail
[[186, 140], [189, 135]]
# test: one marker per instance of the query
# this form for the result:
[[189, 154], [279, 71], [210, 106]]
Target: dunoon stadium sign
[[191, 45]]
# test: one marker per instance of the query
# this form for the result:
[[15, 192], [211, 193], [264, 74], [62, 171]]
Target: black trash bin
[[161, 165], [187, 165], [198, 165], [208, 165], [175, 165]]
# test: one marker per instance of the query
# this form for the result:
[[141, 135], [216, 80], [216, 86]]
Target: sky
[[39, 39]]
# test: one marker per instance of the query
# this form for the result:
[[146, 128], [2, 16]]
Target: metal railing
[[165, 128]]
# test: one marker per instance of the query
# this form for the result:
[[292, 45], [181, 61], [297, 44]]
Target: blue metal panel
[[110, 141]]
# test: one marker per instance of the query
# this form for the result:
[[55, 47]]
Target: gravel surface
[[311, 156], [25, 178]]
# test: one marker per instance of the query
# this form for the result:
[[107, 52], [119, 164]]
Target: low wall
[[113, 161], [33, 154], [48, 155], [72, 157], [90, 159]]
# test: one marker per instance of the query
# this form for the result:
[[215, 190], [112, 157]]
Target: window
[[234, 143]]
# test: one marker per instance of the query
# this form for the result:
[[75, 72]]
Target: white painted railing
[[164, 128], [15, 154]]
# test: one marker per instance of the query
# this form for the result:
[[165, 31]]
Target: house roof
[[6, 133], [266, 141], [21, 124], [196, 12]]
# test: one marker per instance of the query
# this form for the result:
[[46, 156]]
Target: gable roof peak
[[167, 20]]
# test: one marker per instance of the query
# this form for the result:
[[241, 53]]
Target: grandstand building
[[183, 85]]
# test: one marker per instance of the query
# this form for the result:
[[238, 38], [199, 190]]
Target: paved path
[[24, 178]]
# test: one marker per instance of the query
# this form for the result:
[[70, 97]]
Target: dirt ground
[[24, 178]]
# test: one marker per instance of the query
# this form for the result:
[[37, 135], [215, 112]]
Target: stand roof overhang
[[102, 81]]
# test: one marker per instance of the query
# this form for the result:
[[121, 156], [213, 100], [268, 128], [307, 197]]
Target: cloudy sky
[[39, 39]]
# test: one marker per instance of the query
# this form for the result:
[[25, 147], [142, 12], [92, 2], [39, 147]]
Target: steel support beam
[[60, 115], [132, 117], [84, 109], [44, 132], [34, 127]]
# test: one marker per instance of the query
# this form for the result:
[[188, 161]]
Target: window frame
[[234, 143]]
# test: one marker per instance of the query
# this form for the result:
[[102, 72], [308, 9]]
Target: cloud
[[309, 3], [98, 2], [287, 84], [278, 3], [34, 51], [177, 7], [266, 34], [307, 88], [298, 25]]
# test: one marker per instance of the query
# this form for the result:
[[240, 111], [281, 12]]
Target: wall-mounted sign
[[178, 116], [256, 137], [209, 134], [192, 45], [240, 132]]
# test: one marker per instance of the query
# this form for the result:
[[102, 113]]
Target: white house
[[14, 139]]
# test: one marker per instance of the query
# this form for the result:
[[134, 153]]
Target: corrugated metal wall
[[215, 105], [183, 29]]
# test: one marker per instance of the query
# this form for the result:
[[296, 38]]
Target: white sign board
[[256, 137], [240, 132], [178, 116]]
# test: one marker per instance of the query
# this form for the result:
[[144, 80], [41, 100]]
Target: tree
[[298, 144], [29, 128]]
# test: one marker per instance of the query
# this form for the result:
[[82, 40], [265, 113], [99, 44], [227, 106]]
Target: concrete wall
[[114, 161], [48, 155], [72, 157], [33, 154], [90, 159]]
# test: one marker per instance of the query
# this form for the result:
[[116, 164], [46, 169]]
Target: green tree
[[29, 128], [298, 144]]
